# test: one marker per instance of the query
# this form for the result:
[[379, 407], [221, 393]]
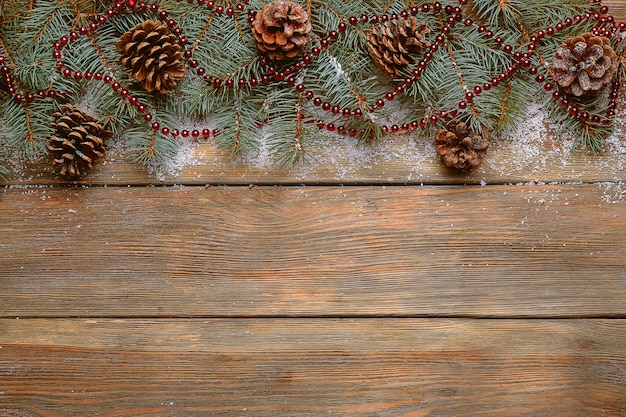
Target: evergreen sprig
[[278, 111]]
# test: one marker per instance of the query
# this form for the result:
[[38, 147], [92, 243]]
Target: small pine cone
[[459, 147], [584, 64], [152, 54], [394, 44], [78, 141], [281, 30]]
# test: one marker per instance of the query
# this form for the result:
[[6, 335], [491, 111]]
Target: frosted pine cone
[[584, 64], [78, 141], [281, 30], [459, 147], [394, 44], [152, 54]]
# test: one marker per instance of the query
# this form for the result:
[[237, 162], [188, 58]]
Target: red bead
[[380, 103], [148, 117], [184, 133], [462, 105], [155, 125], [326, 106], [195, 133], [165, 131], [206, 133], [389, 96], [477, 90], [469, 96], [548, 86]]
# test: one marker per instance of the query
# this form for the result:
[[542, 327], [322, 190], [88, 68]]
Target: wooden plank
[[505, 251], [396, 162], [282, 367]]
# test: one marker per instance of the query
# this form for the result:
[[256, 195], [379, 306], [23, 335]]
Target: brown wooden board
[[503, 251], [396, 162], [304, 367]]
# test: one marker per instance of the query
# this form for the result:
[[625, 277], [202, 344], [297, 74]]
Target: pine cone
[[281, 30], [584, 64], [153, 56], [394, 43], [459, 147], [78, 141]]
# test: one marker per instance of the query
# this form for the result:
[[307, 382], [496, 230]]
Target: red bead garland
[[606, 26]]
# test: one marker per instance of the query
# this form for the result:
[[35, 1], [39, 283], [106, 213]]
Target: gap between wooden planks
[[496, 251], [308, 367]]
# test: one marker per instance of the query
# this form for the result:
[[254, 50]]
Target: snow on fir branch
[[276, 72]]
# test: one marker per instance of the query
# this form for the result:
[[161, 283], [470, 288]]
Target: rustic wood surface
[[371, 283], [313, 367], [505, 251]]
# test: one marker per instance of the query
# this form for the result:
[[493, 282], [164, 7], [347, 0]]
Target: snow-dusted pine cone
[[396, 43], [78, 141], [281, 30], [459, 147], [153, 56], [584, 64]]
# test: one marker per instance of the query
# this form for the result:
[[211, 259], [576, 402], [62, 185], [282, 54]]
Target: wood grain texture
[[506, 251], [396, 162], [283, 367]]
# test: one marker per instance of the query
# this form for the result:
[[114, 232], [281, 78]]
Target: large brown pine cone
[[78, 141], [584, 64], [394, 44], [153, 56], [459, 147], [281, 30]]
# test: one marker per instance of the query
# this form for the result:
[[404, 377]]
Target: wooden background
[[344, 288]]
